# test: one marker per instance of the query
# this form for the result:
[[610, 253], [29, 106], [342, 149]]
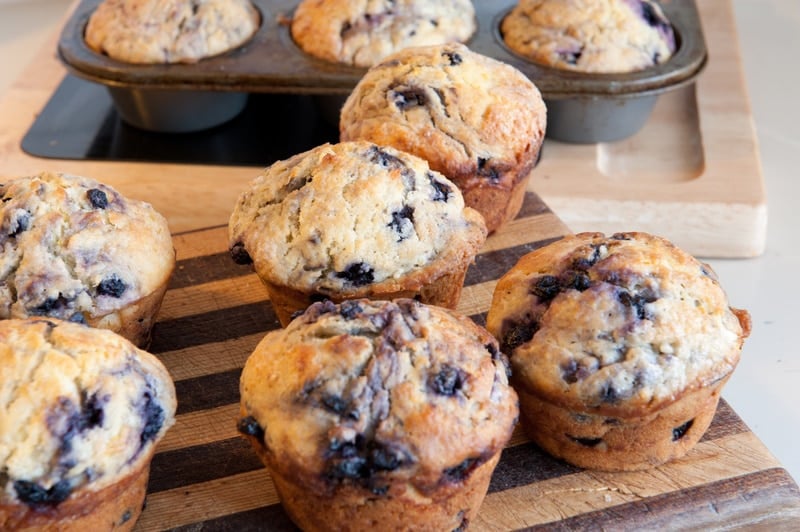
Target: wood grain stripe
[[714, 504], [250, 496], [521, 463]]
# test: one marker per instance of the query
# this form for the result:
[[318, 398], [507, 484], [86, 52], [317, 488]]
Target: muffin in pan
[[170, 31], [352, 220], [76, 249], [478, 121], [81, 412], [598, 36], [619, 345], [362, 33], [385, 415]]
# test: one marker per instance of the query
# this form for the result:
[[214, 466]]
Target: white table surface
[[765, 389]]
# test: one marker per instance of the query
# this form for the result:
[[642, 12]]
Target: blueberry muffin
[[77, 250], [81, 411], [599, 36], [619, 346], [362, 33], [478, 121], [351, 220], [385, 415], [170, 31]]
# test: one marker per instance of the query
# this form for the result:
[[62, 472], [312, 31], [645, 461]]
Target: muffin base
[[443, 291], [498, 206], [116, 507], [595, 441], [134, 322]]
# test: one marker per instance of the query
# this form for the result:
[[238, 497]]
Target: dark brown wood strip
[[493, 264], [728, 501], [192, 465], [272, 518], [206, 269], [532, 206], [208, 391], [214, 326], [726, 422], [526, 464]]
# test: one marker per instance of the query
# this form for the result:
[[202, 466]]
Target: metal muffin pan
[[581, 107]]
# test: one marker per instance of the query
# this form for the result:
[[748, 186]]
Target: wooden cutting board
[[205, 476]]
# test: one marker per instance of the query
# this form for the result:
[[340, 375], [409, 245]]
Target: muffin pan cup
[[581, 107]]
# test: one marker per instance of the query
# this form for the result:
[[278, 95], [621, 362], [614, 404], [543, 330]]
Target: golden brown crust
[[399, 405], [170, 31], [116, 507], [478, 121], [615, 342], [363, 33]]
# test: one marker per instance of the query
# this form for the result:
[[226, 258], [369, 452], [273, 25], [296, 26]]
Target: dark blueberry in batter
[[358, 274], [448, 381], [413, 97], [379, 490], [335, 404], [493, 351], [486, 170], [586, 442], [345, 28], [112, 286], [454, 57], [153, 416], [571, 57], [353, 467], [545, 287], [650, 16], [50, 305], [239, 254], [78, 318], [575, 280], [350, 309], [461, 471], [462, 527], [680, 432], [572, 372], [23, 222], [33, 494], [383, 458], [249, 426], [399, 225], [126, 516], [637, 302], [97, 198], [517, 334], [609, 394], [384, 159], [441, 191], [297, 183]]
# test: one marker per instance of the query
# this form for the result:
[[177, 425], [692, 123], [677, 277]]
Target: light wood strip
[[208, 500], [201, 427], [201, 242], [208, 297], [208, 359]]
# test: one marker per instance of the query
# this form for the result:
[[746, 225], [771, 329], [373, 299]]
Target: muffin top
[[342, 217], [473, 118], [615, 325], [364, 32], [75, 249], [80, 408], [373, 392], [600, 36], [170, 31]]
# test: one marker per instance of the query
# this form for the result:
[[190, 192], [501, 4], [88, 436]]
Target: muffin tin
[[581, 107]]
